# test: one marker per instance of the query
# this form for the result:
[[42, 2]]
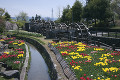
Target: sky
[[39, 7]]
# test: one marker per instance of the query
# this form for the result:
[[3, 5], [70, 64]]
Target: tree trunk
[[95, 22], [113, 21], [87, 23]]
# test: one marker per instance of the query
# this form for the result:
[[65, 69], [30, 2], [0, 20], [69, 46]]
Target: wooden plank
[[59, 57], [73, 77], [67, 72]]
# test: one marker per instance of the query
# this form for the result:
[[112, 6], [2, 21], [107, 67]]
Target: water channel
[[38, 68]]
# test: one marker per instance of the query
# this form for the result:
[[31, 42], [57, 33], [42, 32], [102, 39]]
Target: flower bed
[[14, 58], [90, 62], [27, 33]]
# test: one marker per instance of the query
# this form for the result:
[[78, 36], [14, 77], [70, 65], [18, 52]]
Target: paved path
[[58, 67]]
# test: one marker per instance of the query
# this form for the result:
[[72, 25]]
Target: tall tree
[[87, 13], [65, 11], [69, 15], [99, 9], [22, 18], [2, 24], [2, 11], [77, 11], [2, 20], [115, 6], [7, 16]]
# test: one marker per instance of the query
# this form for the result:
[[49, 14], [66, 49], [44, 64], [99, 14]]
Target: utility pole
[[52, 14], [72, 17]]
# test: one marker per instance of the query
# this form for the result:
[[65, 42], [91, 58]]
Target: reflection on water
[[38, 68]]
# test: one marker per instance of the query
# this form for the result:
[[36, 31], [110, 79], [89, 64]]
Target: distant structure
[[52, 14]]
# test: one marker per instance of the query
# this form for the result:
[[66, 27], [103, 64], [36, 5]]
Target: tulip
[[81, 77], [115, 75], [84, 74]]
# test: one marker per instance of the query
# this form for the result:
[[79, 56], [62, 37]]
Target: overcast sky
[[33, 7]]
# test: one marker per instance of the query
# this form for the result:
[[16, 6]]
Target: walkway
[[58, 67]]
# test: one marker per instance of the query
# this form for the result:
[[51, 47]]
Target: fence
[[105, 32], [99, 43]]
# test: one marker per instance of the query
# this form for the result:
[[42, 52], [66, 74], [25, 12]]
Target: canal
[[38, 68]]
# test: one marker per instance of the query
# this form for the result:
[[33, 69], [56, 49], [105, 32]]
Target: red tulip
[[84, 74], [81, 77], [115, 75]]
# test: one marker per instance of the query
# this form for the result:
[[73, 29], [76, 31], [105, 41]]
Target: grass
[[89, 62], [32, 37], [27, 35], [22, 32], [116, 27]]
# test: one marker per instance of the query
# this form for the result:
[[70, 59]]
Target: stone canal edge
[[23, 72], [60, 73]]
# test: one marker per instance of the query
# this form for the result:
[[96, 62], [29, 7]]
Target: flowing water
[[38, 68]]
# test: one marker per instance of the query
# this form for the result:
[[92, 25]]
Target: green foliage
[[22, 16], [37, 17], [2, 20], [77, 11], [27, 33], [58, 20], [2, 11], [72, 14], [98, 10], [20, 23], [69, 15], [7, 16], [64, 17], [2, 24], [115, 7]]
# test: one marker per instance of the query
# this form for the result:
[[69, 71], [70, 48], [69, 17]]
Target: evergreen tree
[[77, 11], [65, 11], [98, 10], [7, 16]]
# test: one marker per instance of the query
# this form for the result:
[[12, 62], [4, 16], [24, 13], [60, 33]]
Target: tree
[[77, 11], [2, 11], [22, 16], [37, 17], [2, 20], [98, 10], [86, 13], [7, 16], [115, 6], [69, 15], [65, 11], [2, 24]]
